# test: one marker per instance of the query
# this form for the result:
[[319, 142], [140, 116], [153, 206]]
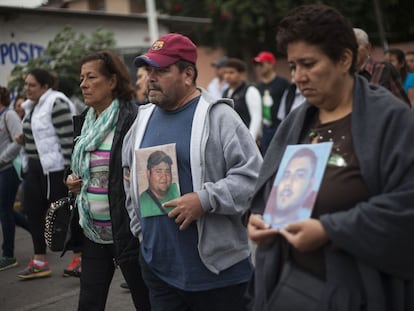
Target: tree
[[242, 28], [62, 57], [245, 27]]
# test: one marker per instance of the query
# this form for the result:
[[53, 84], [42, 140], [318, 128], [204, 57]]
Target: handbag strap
[[72, 199]]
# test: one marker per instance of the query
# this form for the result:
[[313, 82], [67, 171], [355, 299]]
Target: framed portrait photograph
[[157, 179], [296, 184]]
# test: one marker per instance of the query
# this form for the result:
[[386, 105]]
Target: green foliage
[[241, 27], [62, 56], [244, 27]]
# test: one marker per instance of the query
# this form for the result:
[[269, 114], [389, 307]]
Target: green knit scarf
[[94, 131]]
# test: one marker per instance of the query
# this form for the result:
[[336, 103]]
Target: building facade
[[26, 32]]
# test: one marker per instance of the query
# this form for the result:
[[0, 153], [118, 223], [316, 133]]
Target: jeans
[[9, 182], [164, 297], [98, 266]]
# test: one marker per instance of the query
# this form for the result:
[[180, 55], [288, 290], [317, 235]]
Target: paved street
[[52, 293]]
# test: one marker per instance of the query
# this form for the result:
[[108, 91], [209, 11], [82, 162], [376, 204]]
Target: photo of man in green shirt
[[160, 186]]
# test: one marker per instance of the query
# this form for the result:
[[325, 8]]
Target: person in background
[[17, 162], [18, 101], [10, 128], [218, 85], [409, 59], [271, 88], [186, 261], [292, 99], [376, 72], [246, 97], [356, 250], [74, 267], [141, 85], [101, 226], [47, 140], [397, 58]]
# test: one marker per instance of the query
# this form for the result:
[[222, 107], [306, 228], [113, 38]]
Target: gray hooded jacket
[[225, 162]]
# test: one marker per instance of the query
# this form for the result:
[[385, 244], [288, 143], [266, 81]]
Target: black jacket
[[126, 245], [239, 98]]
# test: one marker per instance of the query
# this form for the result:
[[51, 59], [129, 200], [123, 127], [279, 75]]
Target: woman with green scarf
[[102, 226]]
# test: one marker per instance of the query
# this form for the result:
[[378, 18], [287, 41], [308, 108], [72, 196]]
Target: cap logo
[[157, 45]]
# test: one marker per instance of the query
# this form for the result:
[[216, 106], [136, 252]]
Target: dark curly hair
[[318, 25]]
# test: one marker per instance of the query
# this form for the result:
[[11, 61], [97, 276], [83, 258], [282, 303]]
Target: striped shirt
[[97, 191], [62, 122]]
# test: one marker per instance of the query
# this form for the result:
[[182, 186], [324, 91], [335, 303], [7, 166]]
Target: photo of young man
[[161, 187], [295, 188]]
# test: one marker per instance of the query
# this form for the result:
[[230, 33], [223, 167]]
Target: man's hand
[[306, 235], [259, 231], [187, 208]]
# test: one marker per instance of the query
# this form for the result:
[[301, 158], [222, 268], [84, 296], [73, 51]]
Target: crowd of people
[[172, 181]]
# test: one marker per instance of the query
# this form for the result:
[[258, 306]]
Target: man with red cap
[[196, 257], [271, 88]]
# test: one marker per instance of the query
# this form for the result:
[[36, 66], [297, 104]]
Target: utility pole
[[380, 24], [152, 20]]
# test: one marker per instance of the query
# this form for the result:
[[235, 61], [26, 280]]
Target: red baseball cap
[[265, 57], [167, 50]]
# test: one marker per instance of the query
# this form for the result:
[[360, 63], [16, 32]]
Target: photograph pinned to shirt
[[157, 174], [296, 184]]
